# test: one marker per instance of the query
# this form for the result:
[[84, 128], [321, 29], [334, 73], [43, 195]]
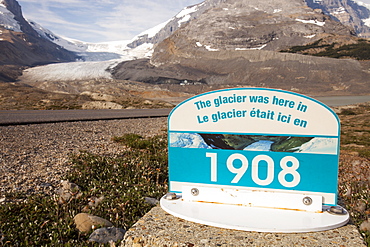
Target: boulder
[[86, 222], [107, 234]]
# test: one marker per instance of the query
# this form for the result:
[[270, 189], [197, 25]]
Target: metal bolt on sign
[[337, 210], [194, 191], [307, 201], [171, 196]]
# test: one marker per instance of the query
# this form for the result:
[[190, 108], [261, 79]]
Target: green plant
[[124, 181]]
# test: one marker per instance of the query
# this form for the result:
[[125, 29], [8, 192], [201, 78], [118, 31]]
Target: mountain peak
[[21, 45], [238, 42], [254, 25], [354, 14], [351, 13]]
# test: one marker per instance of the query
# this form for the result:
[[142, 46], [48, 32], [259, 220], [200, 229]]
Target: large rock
[[106, 235], [86, 222]]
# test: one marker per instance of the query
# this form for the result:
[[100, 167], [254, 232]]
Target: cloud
[[135, 17], [101, 20]]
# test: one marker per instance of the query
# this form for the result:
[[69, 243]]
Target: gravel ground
[[33, 158]]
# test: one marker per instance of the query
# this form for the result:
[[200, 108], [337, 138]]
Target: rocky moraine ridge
[[34, 158]]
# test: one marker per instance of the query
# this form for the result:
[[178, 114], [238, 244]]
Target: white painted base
[[253, 218]]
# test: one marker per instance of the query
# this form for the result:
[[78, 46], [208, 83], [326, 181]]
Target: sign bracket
[[254, 216]]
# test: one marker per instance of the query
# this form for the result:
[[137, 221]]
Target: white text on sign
[[239, 172]]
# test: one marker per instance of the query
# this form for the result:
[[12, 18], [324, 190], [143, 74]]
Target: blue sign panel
[[257, 139]]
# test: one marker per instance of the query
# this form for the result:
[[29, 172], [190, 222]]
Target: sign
[[256, 138], [254, 147]]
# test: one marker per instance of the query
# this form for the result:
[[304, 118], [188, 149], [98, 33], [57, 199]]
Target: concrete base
[[158, 228]]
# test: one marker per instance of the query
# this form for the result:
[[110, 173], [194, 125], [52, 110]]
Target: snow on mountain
[[185, 15], [366, 5], [164, 30], [63, 42], [362, 4], [152, 31], [320, 146], [187, 140], [99, 51], [7, 19], [353, 13], [88, 51]]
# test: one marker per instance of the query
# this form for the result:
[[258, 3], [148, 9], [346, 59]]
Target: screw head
[[338, 210], [307, 201], [194, 191], [170, 196]]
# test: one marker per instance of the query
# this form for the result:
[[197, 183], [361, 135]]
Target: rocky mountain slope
[[21, 45], [351, 13], [237, 42]]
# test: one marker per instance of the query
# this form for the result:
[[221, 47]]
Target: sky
[[101, 20]]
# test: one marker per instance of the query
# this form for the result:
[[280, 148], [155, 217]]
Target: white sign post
[[255, 159]]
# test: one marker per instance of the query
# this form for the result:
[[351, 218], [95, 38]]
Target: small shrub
[[347, 112], [133, 141]]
